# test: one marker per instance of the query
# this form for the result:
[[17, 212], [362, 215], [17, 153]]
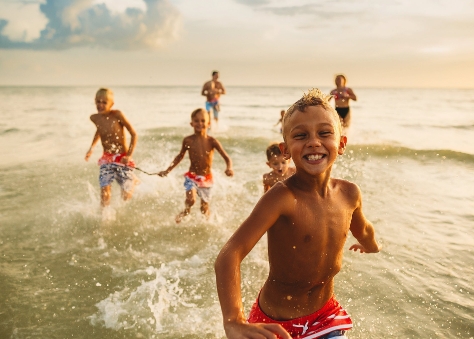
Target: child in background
[[342, 95], [279, 122], [307, 218], [116, 162], [198, 179], [279, 165]]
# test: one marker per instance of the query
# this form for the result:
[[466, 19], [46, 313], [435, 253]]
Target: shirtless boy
[[198, 179], [212, 90], [279, 165], [307, 218], [116, 162], [342, 95]]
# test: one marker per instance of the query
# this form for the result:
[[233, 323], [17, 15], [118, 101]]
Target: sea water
[[69, 271]]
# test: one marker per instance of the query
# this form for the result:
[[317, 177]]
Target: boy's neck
[[312, 183], [202, 133]]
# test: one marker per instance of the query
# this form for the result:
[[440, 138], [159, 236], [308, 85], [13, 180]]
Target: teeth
[[313, 157]]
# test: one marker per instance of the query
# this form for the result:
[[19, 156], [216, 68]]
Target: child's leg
[[205, 208], [127, 181], [105, 196], [347, 120], [189, 202]]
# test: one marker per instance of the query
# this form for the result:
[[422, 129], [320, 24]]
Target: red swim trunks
[[331, 317], [108, 158]]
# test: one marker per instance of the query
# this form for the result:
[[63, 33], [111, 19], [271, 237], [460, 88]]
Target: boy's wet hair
[[215, 72], [314, 97], [105, 92], [198, 110], [273, 151]]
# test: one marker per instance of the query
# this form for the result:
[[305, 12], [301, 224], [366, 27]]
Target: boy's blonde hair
[[105, 92], [198, 110], [314, 97]]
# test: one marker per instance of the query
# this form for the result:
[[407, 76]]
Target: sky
[[375, 43]]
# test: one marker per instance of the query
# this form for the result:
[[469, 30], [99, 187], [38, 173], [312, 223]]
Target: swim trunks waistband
[[108, 158], [200, 180], [331, 317]]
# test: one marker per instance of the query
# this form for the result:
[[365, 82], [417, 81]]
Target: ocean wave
[[9, 131], [416, 154]]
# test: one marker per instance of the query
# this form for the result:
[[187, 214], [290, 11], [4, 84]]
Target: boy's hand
[[163, 173], [259, 330], [361, 248], [229, 172], [88, 155], [125, 159]]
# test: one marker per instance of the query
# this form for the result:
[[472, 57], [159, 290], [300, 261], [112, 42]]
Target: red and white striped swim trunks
[[330, 318]]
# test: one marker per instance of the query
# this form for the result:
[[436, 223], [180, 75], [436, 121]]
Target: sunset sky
[[399, 43]]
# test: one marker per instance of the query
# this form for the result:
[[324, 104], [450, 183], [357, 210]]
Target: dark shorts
[[343, 111]]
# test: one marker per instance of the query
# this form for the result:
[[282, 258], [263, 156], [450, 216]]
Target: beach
[[66, 272]]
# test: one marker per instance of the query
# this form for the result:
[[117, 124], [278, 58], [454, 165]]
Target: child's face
[[279, 164], [200, 121], [340, 82], [103, 103], [313, 140]]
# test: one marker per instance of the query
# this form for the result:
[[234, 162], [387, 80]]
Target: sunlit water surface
[[65, 272]]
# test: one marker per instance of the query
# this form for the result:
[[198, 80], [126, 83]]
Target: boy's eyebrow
[[303, 126]]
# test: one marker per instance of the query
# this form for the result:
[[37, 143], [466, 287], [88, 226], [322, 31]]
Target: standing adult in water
[[342, 95], [212, 90]]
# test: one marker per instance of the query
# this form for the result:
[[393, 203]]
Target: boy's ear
[[342, 145], [284, 150], [268, 163]]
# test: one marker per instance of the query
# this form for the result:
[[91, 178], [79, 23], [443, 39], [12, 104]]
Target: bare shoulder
[[349, 190], [281, 192], [214, 141], [189, 139], [94, 117], [267, 177], [116, 113]]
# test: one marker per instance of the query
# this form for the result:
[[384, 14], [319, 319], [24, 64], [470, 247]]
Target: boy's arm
[[227, 267], [229, 171], [95, 139], [133, 137], [362, 229], [176, 160]]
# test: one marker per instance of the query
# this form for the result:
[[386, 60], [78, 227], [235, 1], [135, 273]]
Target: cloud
[[253, 3], [77, 23]]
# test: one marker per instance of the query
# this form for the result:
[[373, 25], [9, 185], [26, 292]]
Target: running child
[[280, 121], [342, 95], [200, 148], [307, 218], [279, 165], [116, 162]]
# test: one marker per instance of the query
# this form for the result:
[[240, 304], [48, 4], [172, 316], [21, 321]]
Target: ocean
[[66, 272]]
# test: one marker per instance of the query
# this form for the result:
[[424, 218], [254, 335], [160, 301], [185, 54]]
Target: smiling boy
[[279, 165], [307, 218], [200, 148]]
